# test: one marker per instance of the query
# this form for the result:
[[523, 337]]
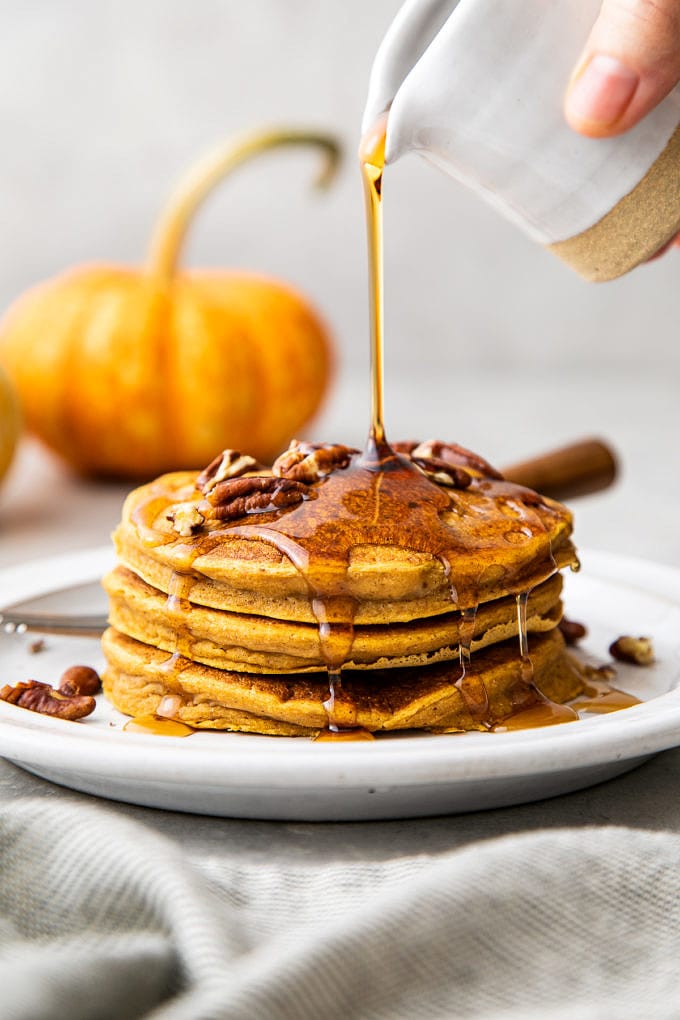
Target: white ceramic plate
[[240, 775]]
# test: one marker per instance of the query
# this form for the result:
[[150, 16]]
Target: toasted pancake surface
[[399, 559], [262, 644], [138, 678]]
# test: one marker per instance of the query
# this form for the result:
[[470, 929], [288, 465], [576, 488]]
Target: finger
[[630, 62]]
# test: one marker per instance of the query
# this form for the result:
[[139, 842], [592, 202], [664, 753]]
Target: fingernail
[[601, 92]]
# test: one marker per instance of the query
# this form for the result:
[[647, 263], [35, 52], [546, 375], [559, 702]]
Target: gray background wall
[[103, 104]]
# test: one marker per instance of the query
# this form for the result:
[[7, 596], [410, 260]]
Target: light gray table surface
[[638, 516]]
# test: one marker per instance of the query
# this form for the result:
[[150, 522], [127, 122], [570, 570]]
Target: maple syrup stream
[[372, 162], [472, 688]]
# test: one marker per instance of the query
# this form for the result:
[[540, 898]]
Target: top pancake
[[395, 543]]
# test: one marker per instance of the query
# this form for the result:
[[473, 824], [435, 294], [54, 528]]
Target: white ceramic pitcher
[[477, 88]]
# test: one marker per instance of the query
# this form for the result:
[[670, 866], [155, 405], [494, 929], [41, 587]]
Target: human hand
[[630, 63]]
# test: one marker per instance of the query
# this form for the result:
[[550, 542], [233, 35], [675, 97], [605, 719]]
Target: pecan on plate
[[228, 464], [637, 651], [605, 673], [40, 697], [308, 462], [79, 680], [571, 630], [237, 497]]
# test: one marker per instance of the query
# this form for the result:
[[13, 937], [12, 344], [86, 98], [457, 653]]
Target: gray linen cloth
[[103, 919]]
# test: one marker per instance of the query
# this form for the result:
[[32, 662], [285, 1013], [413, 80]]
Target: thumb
[[630, 62]]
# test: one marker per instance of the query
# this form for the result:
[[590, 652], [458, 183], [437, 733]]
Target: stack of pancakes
[[404, 576]]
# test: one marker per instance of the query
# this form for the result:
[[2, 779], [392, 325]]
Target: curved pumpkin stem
[[194, 188]]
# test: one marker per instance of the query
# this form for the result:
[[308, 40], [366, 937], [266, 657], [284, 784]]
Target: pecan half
[[529, 497], [40, 697], [456, 455], [571, 630], [79, 680], [228, 464], [638, 651], [308, 462], [257, 494], [405, 445], [186, 519], [442, 473], [605, 673]]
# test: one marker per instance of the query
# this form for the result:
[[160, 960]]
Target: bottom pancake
[[139, 676]]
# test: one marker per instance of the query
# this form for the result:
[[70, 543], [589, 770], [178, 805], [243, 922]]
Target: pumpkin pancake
[[261, 644], [401, 555], [138, 679], [390, 589]]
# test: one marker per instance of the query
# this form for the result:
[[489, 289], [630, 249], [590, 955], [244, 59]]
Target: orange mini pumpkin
[[128, 372], [10, 423]]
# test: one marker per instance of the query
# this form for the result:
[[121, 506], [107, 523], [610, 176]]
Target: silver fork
[[27, 616]]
